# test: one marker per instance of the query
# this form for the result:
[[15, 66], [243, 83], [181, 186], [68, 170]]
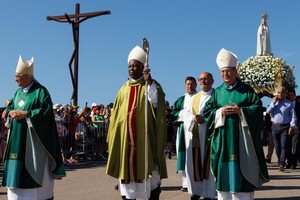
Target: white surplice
[[205, 188]]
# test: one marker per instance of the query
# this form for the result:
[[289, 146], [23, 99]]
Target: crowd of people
[[82, 133], [217, 134]]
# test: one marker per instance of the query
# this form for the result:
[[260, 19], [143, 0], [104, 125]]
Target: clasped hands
[[18, 114], [231, 110], [199, 119]]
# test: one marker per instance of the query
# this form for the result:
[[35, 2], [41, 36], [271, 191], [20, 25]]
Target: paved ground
[[87, 181]]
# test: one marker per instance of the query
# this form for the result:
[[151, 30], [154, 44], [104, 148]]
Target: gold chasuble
[[126, 134]]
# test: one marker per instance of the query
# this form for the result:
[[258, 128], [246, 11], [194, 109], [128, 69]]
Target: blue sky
[[184, 35]]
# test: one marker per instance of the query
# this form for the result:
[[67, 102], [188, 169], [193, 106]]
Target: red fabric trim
[[131, 131]]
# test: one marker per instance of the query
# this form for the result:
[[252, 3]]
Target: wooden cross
[[75, 20]]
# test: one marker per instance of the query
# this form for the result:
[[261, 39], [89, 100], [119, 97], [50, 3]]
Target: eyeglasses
[[202, 79]]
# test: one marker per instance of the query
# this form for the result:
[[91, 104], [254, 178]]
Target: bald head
[[206, 81], [281, 93]]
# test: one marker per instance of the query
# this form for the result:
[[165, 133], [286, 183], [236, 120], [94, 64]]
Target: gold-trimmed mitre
[[25, 66], [226, 58]]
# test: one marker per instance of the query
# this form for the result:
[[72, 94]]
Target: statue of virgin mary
[[263, 38]]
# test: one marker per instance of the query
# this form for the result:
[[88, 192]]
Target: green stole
[[181, 149]]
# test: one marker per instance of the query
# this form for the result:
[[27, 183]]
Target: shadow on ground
[[84, 165]]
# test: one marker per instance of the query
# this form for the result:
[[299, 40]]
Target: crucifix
[[75, 20]]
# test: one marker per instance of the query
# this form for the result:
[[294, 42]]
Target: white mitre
[[25, 66], [226, 58], [137, 53]]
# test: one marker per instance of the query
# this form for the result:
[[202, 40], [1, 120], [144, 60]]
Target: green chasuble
[[32, 140], [228, 144], [126, 134], [181, 149]]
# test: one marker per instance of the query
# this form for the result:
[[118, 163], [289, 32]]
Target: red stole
[[131, 131]]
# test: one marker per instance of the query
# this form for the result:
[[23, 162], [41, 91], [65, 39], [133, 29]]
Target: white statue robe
[[263, 41]]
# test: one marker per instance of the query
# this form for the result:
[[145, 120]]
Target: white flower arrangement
[[265, 73]]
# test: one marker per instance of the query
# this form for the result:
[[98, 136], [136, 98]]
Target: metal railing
[[86, 142]]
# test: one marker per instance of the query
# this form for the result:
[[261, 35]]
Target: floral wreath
[[265, 73]]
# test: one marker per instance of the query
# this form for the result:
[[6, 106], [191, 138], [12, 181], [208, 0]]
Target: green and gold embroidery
[[13, 156], [233, 157]]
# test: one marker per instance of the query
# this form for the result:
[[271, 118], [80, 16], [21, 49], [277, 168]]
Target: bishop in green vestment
[[33, 144], [126, 134], [234, 120]]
